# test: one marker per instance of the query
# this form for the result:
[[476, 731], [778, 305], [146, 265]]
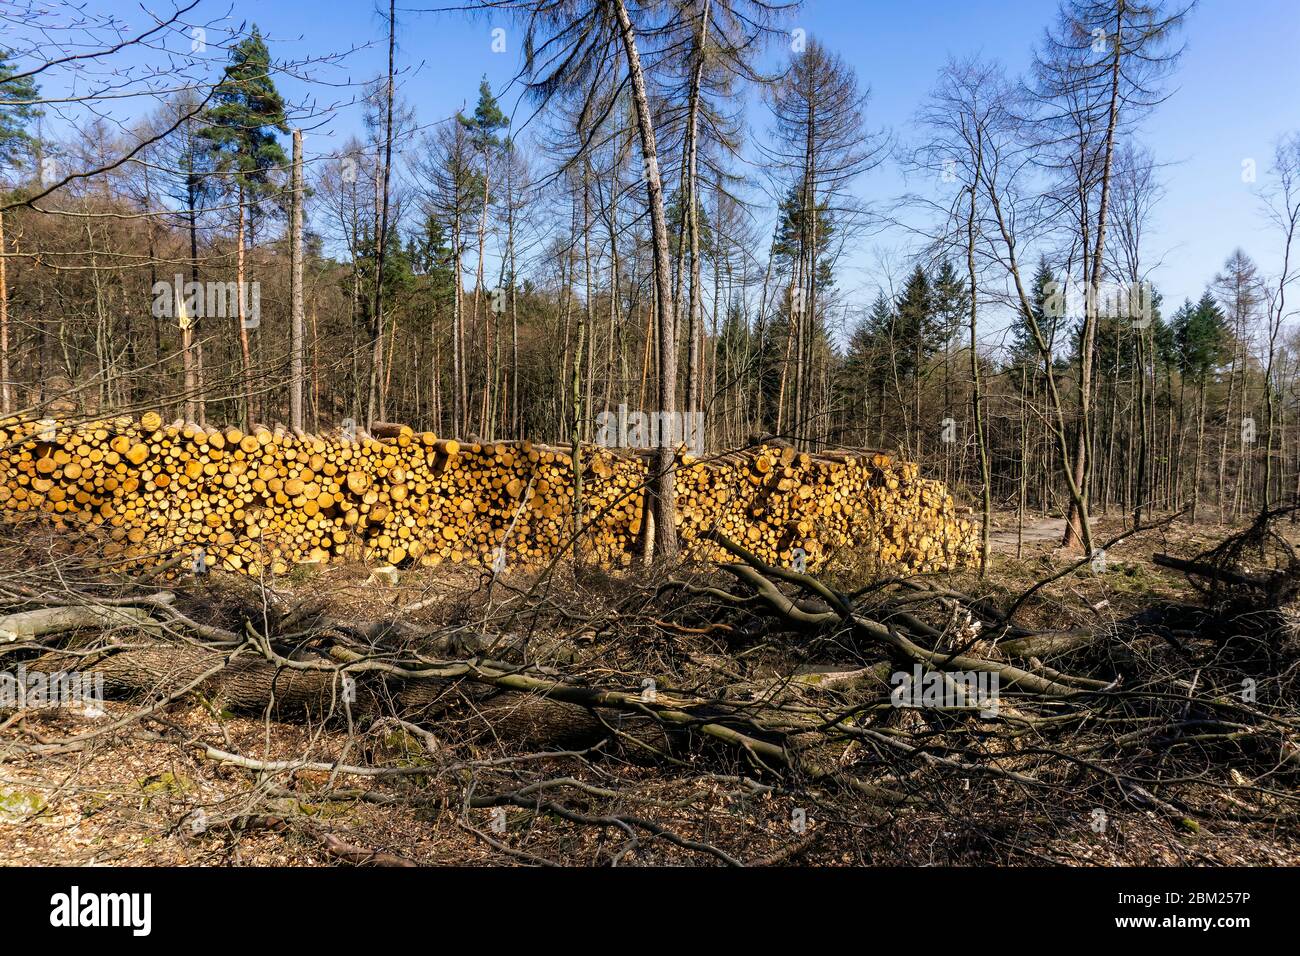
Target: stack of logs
[[262, 501]]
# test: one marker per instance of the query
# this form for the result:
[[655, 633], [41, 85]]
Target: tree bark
[[661, 486], [244, 354], [296, 417], [378, 395], [6, 387]]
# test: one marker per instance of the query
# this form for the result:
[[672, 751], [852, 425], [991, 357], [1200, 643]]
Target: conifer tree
[[241, 124]]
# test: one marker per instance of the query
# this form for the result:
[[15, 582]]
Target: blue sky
[[1235, 92]]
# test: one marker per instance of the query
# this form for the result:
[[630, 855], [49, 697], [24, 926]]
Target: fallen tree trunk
[[46, 621]]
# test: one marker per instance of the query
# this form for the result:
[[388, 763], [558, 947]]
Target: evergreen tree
[[432, 261], [482, 135], [790, 227], [864, 372], [488, 120], [951, 301], [399, 277], [16, 113], [241, 128], [241, 124], [483, 140], [1201, 337], [676, 213], [919, 334], [1202, 340], [919, 327]]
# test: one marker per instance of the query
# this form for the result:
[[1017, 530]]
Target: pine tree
[[863, 378], [488, 120], [482, 131], [919, 335], [951, 301], [241, 124], [16, 113], [241, 127], [919, 326], [432, 259], [1202, 338]]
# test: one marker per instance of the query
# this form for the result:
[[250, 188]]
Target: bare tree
[[1283, 211], [378, 384], [821, 145], [1096, 73]]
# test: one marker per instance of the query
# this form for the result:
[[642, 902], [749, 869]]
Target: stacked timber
[[263, 501]]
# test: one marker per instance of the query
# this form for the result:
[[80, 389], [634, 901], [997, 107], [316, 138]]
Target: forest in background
[[644, 244]]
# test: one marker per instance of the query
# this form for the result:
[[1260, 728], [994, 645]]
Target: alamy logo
[[646, 430], [74, 909], [187, 302], [922, 688], [25, 689], [1107, 300]]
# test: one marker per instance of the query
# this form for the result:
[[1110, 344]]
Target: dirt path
[[1036, 531]]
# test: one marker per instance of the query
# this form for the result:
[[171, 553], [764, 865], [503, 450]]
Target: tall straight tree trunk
[[567, 265], [1144, 428], [152, 232], [1221, 492], [612, 223], [986, 501], [1200, 441], [807, 279], [760, 337], [790, 337], [486, 404], [661, 486], [514, 332], [693, 318], [378, 395], [1108, 470], [296, 416], [244, 353], [1290, 221], [458, 392], [186, 323], [1024, 471], [809, 297], [584, 323], [315, 370], [1078, 516], [6, 387], [197, 401], [1179, 459], [1045, 352]]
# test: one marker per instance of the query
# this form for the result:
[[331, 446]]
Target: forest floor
[[1007, 540], [84, 793]]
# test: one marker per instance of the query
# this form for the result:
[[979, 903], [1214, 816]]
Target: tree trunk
[[296, 417], [1076, 531], [693, 318], [6, 387], [661, 487], [986, 501], [244, 354], [378, 395], [196, 403]]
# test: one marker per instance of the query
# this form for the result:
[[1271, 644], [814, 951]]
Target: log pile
[[263, 501]]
